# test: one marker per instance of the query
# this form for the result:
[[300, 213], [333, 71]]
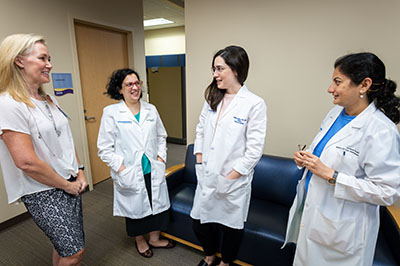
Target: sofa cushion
[[271, 226], [266, 233], [275, 180], [181, 205], [182, 198]]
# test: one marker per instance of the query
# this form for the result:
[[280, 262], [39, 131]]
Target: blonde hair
[[11, 78]]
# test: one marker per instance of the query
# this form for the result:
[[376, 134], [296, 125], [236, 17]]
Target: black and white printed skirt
[[59, 215]]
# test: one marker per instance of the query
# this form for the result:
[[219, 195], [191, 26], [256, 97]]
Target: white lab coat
[[122, 139], [235, 142], [339, 224]]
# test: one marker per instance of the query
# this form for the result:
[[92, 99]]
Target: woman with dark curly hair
[[132, 141], [351, 168]]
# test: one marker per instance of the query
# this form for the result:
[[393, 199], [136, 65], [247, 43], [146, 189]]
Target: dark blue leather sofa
[[273, 189]]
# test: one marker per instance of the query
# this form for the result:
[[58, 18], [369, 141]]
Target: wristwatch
[[81, 167], [332, 180]]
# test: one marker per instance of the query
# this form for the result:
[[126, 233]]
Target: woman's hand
[[199, 157], [81, 179], [73, 188], [298, 158], [233, 175], [160, 159], [121, 168], [314, 164]]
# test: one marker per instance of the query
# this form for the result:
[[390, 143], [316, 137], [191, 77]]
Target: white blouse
[[56, 151]]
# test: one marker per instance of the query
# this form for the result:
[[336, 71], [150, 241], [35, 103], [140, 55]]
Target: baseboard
[[14, 221], [176, 141], [187, 243]]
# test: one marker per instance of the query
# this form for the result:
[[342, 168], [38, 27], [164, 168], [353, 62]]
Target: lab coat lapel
[[215, 115], [354, 125], [125, 113], [144, 111], [241, 93]]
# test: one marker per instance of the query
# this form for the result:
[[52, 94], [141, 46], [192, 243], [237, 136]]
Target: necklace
[[50, 115]]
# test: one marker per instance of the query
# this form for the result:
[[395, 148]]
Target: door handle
[[88, 118]]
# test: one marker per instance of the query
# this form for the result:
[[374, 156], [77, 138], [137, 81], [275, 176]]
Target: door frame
[[84, 155]]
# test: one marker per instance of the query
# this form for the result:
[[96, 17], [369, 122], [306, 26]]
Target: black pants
[[208, 236]]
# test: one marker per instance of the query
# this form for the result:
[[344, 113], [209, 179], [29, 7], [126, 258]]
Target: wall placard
[[62, 83]]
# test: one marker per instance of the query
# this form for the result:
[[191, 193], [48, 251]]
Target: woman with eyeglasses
[[351, 168], [37, 153], [132, 141], [229, 143]]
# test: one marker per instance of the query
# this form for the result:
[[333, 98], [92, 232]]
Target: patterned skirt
[[59, 215]]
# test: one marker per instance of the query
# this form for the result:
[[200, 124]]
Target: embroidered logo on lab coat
[[125, 122], [348, 150], [239, 120]]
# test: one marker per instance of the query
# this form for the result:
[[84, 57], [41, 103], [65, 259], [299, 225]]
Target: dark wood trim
[[183, 99], [13, 221], [176, 140]]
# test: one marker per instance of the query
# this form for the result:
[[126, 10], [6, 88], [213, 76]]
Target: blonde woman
[[37, 153]]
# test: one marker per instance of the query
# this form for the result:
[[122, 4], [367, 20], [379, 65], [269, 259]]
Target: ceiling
[[169, 9]]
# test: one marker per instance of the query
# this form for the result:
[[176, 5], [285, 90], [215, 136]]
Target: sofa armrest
[[174, 175], [395, 213], [170, 170]]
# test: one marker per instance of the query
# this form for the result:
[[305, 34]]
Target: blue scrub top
[[339, 123]]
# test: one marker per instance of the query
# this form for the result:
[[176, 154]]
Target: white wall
[[165, 41], [54, 20]]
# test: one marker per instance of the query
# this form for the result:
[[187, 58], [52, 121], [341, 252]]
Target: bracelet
[[81, 167]]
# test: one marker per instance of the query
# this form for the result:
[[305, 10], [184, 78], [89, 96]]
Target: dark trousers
[[208, 236]]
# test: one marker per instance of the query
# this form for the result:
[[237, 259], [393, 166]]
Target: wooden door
[[100, 52], [165, 92]]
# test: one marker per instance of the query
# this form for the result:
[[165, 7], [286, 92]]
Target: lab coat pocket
[[336, 234], [126, 179], [199, 174], [158, 171], [225, 185]]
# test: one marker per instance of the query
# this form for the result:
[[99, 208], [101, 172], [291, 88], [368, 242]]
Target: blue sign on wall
[[62, 83]]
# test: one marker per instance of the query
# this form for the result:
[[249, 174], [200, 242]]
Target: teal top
[[146, 166]]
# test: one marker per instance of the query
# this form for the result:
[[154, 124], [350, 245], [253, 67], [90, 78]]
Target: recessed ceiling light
[[156, 21]]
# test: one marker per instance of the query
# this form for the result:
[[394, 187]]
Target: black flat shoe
[[204, 263], [170, 244], [147, 254]]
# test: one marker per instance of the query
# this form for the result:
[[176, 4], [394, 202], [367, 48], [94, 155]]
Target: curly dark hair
[[237, 59], [115, 83], [359, 66]]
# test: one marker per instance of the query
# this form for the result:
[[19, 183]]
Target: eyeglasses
[[217, 69], [138, 84]]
